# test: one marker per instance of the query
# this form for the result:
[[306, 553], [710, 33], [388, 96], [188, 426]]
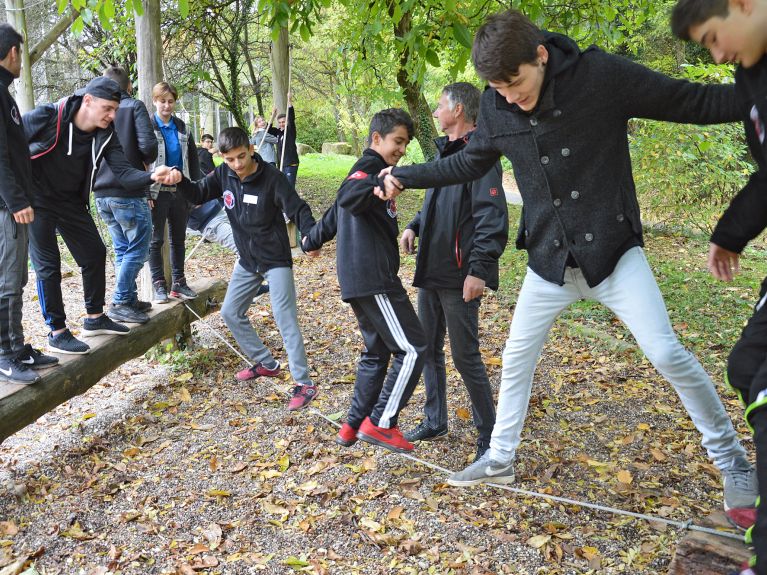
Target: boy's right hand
[[723, 264], [407, 241], [313, 253]]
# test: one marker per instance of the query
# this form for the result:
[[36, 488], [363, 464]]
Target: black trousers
[[76, 227], [747, 373], [174, 209], [389, 328]]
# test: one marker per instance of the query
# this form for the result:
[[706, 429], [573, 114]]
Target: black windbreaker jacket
[[367, 251], [462, 229], [15, 168], [255, 209]]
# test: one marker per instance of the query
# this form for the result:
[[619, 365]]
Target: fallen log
[[705, 554], [21, 405]]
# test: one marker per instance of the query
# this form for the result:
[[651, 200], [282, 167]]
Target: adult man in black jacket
[[560, 115], [68, 141], [126, 212], [462, 231], [16, 213]]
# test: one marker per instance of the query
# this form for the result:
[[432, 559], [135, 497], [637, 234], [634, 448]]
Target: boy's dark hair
[[207, 137], [9, 38], [119, 75], [466, 94], [386, 121], [689, 13], [231, 138], [504, 42], [281, 116]]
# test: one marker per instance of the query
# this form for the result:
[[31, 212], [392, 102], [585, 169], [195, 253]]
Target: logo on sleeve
[[493, 192], [358, 175], [15, 115], [228, 199]]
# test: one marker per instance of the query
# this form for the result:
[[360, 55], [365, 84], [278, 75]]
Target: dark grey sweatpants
[[14, 251]]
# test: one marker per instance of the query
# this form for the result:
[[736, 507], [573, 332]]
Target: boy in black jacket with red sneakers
[[368, 263]]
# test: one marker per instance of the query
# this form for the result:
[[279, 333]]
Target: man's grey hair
[[466, 94]]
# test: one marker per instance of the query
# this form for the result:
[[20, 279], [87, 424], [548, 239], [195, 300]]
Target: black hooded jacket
[[571, 154], [462, 229], [15, 168]]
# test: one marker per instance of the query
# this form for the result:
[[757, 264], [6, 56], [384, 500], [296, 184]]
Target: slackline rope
[[686, 525]]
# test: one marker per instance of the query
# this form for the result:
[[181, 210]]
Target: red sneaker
[[389, 438], [257, 370], [347, 435], [302, 395], [741, 517]]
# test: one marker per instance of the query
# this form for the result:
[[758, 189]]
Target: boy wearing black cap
[[67, 142]]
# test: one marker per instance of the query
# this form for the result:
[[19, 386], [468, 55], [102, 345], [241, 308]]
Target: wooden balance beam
[[705, 554], [20, 405]]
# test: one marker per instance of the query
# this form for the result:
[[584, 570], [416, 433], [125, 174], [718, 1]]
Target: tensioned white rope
[[687, 525], [194, 249]]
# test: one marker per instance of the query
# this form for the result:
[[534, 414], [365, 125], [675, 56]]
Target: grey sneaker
[[103, 325], [179, 290], [160, 292], [126, 314], [484, 470], [740, 485]]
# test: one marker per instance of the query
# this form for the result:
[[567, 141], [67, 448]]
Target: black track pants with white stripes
[[389, 327]]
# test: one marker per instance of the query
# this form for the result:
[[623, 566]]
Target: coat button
[[557, 243], [557, 113], [557, 202], [565, 152], [533, 121], [544, 160], [588, 237], [575, 194], [620, 217]]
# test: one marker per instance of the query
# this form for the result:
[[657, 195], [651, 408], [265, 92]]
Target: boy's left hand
[[313, 253]]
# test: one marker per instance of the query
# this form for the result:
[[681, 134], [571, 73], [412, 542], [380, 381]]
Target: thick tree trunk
[[149, 66], [280, 70], [419, 109], [25, 95]]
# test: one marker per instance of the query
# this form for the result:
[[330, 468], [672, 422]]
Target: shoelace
[[740, 477]]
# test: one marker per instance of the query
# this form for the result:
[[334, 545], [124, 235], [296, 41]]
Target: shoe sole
[[39, 365], [369, 439], [90, 333], [66, 351], [502, 479], [19, 381], [345, 443], [440, 437], [126, 320], [161, 301], [182, 297]]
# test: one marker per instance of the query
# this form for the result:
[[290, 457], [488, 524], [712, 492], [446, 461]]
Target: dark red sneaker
[[257, 370], [347, 435], [389, 438], [741, 517], [302, 395]]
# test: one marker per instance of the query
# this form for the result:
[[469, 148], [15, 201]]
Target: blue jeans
[[130, 225]]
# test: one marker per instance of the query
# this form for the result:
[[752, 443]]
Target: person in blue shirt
[[176, 149]]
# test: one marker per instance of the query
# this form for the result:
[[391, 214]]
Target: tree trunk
[[280, 71], [25, 95], [419, 109], [149, 66]]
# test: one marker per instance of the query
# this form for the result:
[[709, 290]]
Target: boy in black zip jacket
[[368, 263], [255, 196], [736, 31]]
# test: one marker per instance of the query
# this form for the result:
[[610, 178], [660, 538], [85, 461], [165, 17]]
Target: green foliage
[[314, 128]]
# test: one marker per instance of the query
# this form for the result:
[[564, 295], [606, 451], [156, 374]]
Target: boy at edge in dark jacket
[[736, 31], [255, 195], [368, 263]]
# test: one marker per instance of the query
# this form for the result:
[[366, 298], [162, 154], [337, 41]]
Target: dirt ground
[[169, 465]]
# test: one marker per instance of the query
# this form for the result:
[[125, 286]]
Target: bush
[[314, 129]]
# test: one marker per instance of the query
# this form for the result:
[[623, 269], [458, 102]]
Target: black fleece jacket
[[255, 209], [15, 167], [367, 251], [571, 153]]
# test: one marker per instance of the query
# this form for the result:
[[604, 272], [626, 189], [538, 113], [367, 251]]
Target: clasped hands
[[392, 186], [167, 175]]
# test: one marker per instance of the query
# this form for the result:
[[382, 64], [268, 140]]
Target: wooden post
[[25, 96]]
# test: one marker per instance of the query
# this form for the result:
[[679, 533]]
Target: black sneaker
[[127, 314], [102, 325], [262, 290], [160, 292], [65, 342], [423, 432], [139, 305], [180, 290], [35, 359], [12, 370]]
